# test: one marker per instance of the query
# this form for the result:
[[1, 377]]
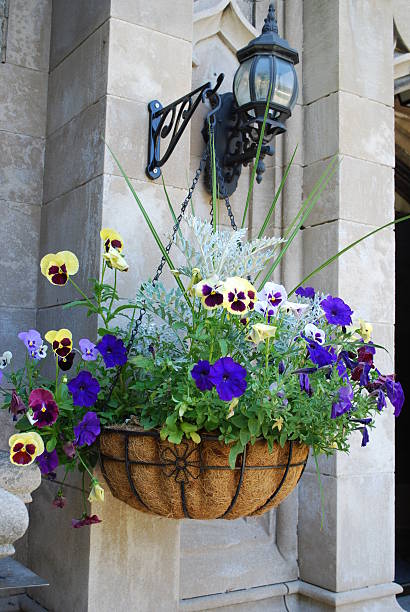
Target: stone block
[[72, 23], [21, 171], [18, 481], [12, 321], [23, 100], [349, 275], [149, 576], [320, 49], [28, 38], [366, 129], [61, 218], [359, 191], [161, 17], [365, 43], [318, 547], [321, 133], [155, 76], [292, 139], [52, 541], [141, 251], [19, 271], [75, 152], [80, 80], [127, 135]]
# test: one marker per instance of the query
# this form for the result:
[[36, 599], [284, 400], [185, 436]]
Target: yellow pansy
[[25, 447], [278, 423], [239, 295], [96, 493], [57, 267], [210, 292], [111, 239], [365, 330], [61, 341], [260, 332], [115, 260]]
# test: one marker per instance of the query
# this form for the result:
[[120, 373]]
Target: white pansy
[[294, 308], [314, 333], [274, 294], [5, 359]]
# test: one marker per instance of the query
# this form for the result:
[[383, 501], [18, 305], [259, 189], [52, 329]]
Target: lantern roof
[[269, 42]]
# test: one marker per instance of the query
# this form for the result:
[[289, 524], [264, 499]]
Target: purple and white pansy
[[314, 333]]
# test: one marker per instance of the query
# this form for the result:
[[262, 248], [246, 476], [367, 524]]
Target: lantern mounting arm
[[174, 118]]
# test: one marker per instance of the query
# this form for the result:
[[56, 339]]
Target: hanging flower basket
[[195, 481]]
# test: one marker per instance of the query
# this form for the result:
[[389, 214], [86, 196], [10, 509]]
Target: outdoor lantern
[[266, 74]]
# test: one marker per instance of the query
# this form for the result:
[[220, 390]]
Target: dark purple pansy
[[306, 292], [200, 374], [337, 312], [365, 354], [395, 394], [304, 383], [84, 388], [47, 462], [87, 430], [211, 297], [112, 350], [85, 520], [17, 406], [229, 378], [343, 403], [66, 363], [45, 409]]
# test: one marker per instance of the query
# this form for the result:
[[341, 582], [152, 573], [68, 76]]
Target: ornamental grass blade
[[258, 153], [302, 215], [149, 223], [277, 194], [350, 246], [214, 184], [171, 207]]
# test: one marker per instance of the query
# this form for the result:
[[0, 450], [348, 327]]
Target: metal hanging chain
[[162, 262], [223, 194]]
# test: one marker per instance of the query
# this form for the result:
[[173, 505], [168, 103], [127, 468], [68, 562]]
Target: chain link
[[224, 195]]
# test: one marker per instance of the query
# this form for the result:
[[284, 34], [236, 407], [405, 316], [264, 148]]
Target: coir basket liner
[[194, 480]]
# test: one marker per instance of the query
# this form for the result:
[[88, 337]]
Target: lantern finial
[[270, 21]]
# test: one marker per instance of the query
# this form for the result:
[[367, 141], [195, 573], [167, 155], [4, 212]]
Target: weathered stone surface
[[163, 19], [85, 70], [321, 133], [23, 100], [144, 80], [21, 171], [19, 271], [82, 138], [358, 191], [13, 321], [71, 24], [59, 233], [127, 133], [28, 38], [19, 481], [13, 522], [149, 569]]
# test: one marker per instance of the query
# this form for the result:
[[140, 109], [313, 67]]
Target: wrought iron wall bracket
[[173, 119]]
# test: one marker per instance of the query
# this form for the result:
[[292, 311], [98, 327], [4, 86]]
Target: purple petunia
[[304, 383], [320, 355], [337, 311], [44, 407], [229, 378], [200, 374], [87, 430], [306, 292], [48, 462], [88, 349], [84, 389], [343, 403], [381, 400], [395, 394], [85, 520], [365, 436], [112, 350]]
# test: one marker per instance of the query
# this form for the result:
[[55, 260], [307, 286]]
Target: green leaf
[[275, 199], [74, 304], [253, 426], [283, 438], [244, 437], [51, 444], [22, 424], [102, 331], [188, 427], [195, 437], [175, 437], [350, 246], [174, 217], [233, 453], [223, 346], [214, 181]]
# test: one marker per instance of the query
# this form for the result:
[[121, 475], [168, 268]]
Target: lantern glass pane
[[263, 78], [284, 82], [241, 83]]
